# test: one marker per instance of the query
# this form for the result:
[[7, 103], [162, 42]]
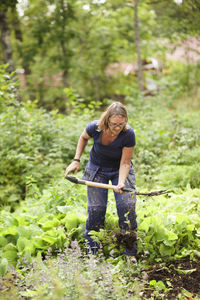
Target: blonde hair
[[115, 109]]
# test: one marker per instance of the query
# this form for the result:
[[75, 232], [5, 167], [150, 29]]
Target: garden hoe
[[110, 186]]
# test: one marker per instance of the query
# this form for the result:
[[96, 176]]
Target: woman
[[110, 159]]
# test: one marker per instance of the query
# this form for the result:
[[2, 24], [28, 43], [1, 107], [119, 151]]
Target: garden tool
[[97, 184], [112, 187]]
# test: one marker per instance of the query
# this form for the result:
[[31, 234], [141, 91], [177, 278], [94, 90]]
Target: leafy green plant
[[157, 285], [167, 230], [8, 89], [35, 145]]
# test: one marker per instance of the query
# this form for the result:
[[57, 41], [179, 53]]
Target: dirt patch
[[127, 239], [176, 276]]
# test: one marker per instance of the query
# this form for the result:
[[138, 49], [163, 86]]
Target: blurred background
[[93, 50]]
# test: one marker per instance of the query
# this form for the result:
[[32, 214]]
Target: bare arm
[[124, 167], [82, 142]]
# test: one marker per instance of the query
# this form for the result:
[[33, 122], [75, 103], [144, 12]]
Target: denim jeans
[[97, 201]]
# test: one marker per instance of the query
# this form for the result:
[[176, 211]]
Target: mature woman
[[110, 159]]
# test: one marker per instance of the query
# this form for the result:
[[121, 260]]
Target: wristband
[[76, 159]]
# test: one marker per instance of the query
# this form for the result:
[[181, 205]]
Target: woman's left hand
[[119, 187]]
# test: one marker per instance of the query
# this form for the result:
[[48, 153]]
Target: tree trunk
[[5, 41], [16, 26], [137, 40], [62, 42]]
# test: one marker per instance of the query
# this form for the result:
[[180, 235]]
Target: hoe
[[110, 186]]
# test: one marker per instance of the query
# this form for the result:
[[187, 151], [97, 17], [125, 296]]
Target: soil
[[128, 240], [176, 276]]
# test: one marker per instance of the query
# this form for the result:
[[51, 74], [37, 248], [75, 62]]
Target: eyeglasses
[[116, 124]]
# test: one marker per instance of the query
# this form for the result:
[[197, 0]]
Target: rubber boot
[[93, 246], [131, 252]]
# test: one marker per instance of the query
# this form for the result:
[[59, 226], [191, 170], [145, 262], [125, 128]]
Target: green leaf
[[166, 251], [157, 285], [29, 293], [160, 234], [190, 227], [145, 224], [71, 221], [11, 221], [51, 224], [24, 231], [10, 247], [22, 243], [50, 239], [39, 243], [13, 198], [186, 272], [11, 256], [3, 266], [10, 231], [64, 209], [3, 241], [170, 236]]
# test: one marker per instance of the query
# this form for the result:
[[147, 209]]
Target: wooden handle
[[108, 186], [97, 184], [101, 185]]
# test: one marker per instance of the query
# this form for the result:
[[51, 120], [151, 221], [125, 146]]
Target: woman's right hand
[[74, 166]]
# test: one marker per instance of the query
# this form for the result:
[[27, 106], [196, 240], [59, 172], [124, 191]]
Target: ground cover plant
[[42, 221]]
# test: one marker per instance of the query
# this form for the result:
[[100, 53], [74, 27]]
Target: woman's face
[[116, 124]]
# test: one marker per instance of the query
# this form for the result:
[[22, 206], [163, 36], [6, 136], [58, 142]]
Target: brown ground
[[128, 240], [177, 275]]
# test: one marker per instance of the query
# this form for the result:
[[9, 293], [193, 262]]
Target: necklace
[[109, 133]]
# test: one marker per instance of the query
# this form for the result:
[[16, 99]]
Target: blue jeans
[[97, 201]]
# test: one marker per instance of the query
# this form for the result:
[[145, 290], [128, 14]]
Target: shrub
[[35, 145]]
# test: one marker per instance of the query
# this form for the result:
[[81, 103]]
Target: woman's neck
[[110, 133]]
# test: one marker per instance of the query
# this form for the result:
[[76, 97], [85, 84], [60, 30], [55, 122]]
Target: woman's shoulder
[[129, 138], [91, 127], [129, 130], [93, 124]]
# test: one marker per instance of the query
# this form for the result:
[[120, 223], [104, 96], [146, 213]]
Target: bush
[[35, 145]]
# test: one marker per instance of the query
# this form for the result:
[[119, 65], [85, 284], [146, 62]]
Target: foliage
[[167, 139], [71, 43], [34, 151], [183, 18], [5, 4], [50, 222], [73, 274], [170, 226], [35, 145], [7, 89]]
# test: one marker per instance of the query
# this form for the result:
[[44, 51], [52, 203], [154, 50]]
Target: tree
[[17, 40], [5, 33], [71, 43], [176, 19], [48, 32], [137, 40]]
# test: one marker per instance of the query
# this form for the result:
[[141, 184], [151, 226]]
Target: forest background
[[62, 63]]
